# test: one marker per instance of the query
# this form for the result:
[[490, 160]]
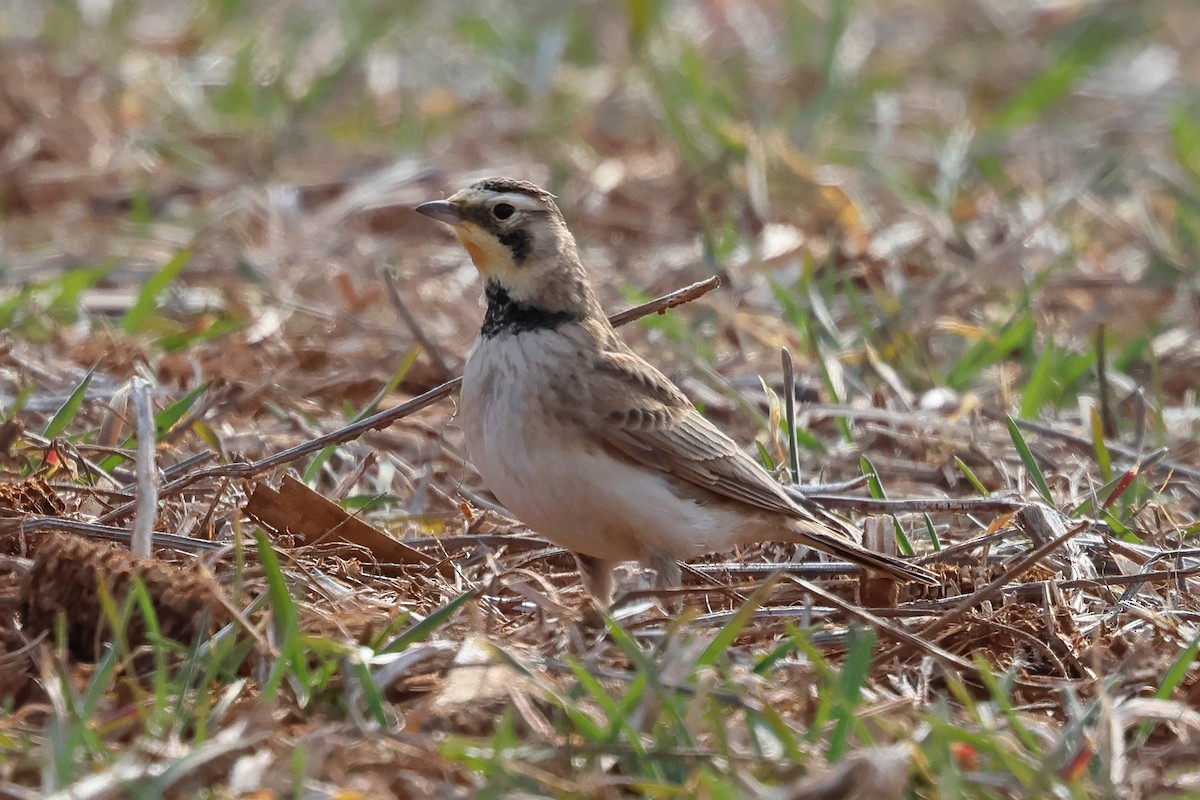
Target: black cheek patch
[[519, 243]]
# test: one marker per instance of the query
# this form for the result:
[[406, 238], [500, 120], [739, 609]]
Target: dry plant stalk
[[146, 493]]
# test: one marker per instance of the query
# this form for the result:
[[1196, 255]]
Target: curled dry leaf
[[296, 509]]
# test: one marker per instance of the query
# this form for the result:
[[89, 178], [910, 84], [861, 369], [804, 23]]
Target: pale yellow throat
[[488, 255]]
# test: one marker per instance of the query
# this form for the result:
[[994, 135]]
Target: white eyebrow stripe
[[521, 202]]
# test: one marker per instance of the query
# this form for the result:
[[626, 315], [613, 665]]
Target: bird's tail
[[817, 535]]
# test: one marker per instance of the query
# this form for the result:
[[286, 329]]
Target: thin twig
[[1038, 588], [21, 526], [414, 327], [963, 505], [894, 631], [952, 551], [145, 495], [191, 462], [806, 490], [663, 304]]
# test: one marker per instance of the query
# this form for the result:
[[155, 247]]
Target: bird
[[585, 441]]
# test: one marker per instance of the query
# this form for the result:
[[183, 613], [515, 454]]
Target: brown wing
[[641, 414], [648, 418]]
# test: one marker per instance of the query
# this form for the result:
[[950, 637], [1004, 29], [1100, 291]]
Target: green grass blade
[[1031, 465], [71, 286], [429, 624], [1041, 383], [931, 531], [286, 616], [135, 318], [372, 698], [855, 669], [100, 683], [825, 674], [164, 420], [1103, 457], [1172, 680], [1175, 675], [67, 411], [1089, 45], [875, 489], [731, 629], [160, 719], [1185, 136], [1002, 698], [990, 349], [764, 456], [1118, 528], [634, 692], [617, 720], [648, 668], [766, 662], [789, 408], [371, 405], [971, 477], [814, 337], [11, 307]]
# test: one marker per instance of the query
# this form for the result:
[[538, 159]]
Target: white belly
[[560, 484]]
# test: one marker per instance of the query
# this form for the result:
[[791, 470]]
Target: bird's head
[[513, 232]]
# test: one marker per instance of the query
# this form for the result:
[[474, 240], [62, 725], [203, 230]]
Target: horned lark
[[583, 440]]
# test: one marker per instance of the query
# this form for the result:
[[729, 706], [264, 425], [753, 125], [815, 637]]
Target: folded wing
[[647, 418]]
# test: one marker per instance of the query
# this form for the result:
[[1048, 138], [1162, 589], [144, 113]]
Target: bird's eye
[[502, 211]]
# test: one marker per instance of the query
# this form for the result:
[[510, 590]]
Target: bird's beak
[[441, 210]]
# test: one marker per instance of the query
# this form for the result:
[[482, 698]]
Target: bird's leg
[[666, 570], [667, 575], [597, 577]]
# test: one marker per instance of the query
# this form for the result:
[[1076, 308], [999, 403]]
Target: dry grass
[[974, 225]]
